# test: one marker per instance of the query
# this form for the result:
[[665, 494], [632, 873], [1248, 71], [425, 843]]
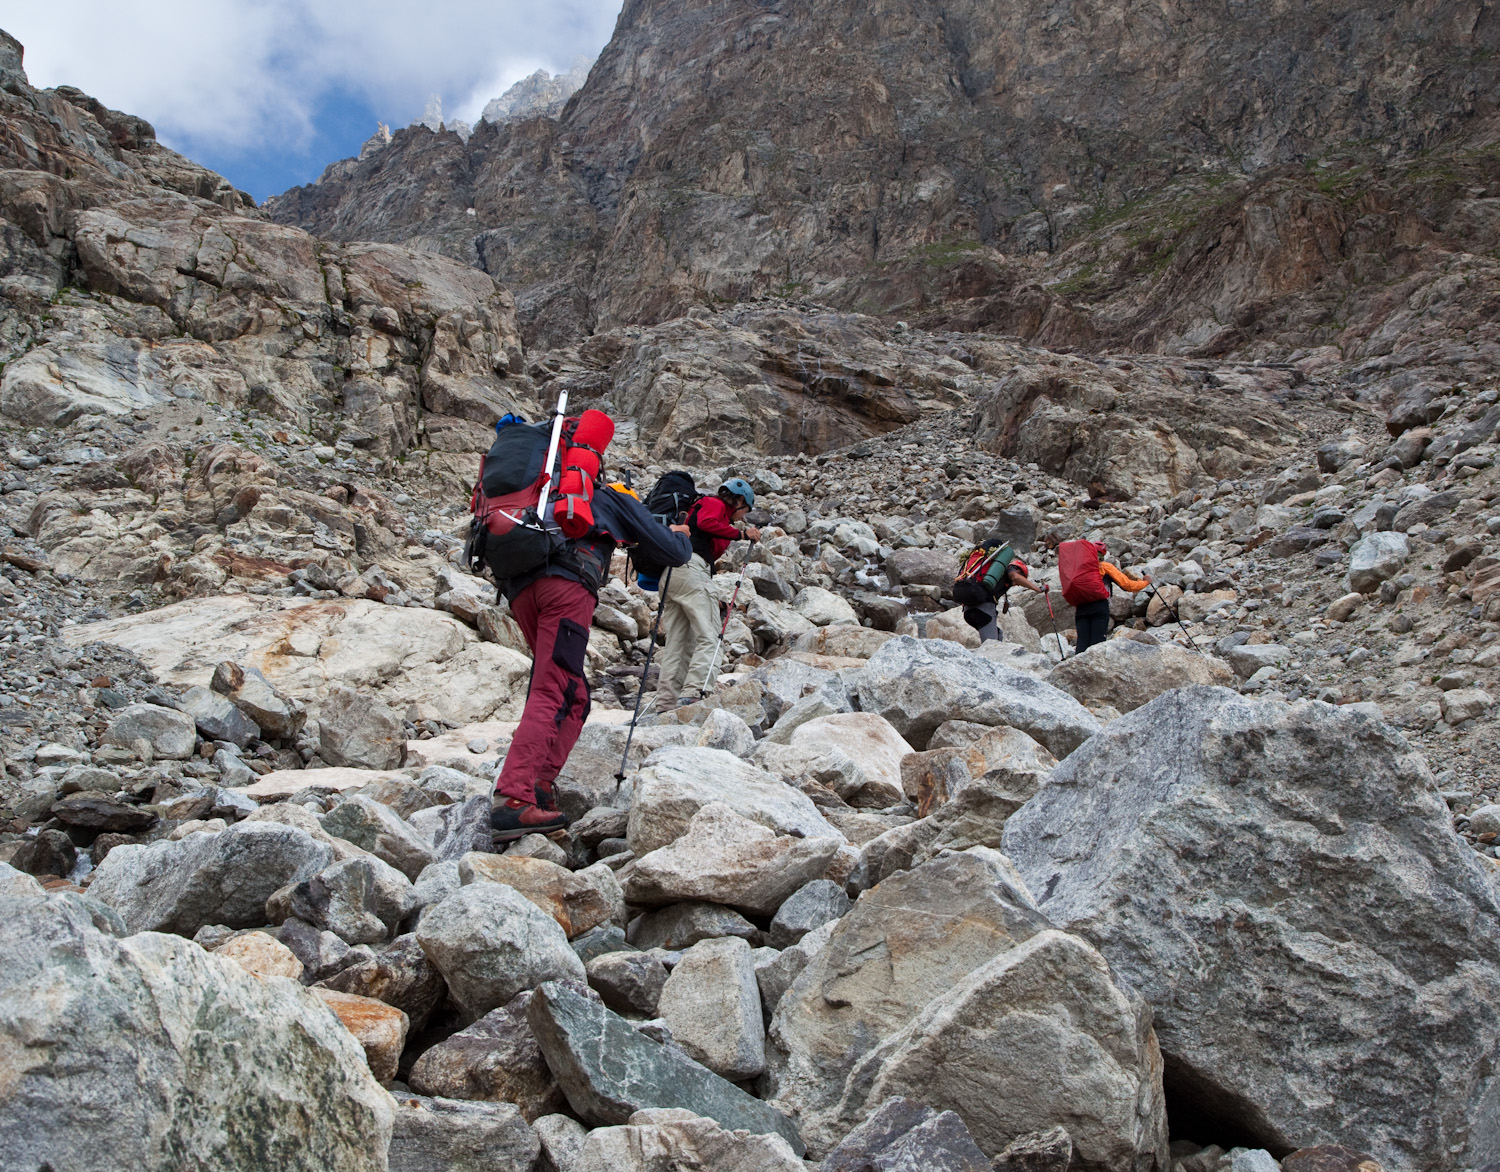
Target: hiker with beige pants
[[690, 616]]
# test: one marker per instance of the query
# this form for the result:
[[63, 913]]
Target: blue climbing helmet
[[739, 488]]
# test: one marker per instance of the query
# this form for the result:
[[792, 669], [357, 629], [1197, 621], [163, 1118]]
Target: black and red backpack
[[507, 535]]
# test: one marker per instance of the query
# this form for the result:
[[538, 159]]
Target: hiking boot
[[510, 820], [546, 797]]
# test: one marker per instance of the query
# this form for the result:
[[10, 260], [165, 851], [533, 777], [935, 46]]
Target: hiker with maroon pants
[[1087, 580], [554, 607]]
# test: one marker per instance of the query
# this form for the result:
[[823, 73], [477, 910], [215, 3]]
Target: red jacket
[[713, 528]]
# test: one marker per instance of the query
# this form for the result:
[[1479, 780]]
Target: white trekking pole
[[713, 667], [557, 426]]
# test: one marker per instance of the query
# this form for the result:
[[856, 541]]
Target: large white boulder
[[679, 780], [919, 684], [1126, 674], [726, 858], [401, 655], [1227, 855], [904, 943], [1038, 1038], [149, 1053], [872, 742], [222, 878]]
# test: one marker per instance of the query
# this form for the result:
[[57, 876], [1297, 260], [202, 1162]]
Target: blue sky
[[269, 92]]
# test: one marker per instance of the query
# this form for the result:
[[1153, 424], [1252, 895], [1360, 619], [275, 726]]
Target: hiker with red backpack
[[1087, 581], [690, 617], [549, 562]]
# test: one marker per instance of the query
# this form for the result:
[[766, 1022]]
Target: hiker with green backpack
[[988, 572]]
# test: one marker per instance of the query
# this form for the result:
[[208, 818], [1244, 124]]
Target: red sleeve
[[712, 517]]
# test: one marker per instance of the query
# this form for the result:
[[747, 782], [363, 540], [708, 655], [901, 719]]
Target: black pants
[[1092, 623], [984, 619]]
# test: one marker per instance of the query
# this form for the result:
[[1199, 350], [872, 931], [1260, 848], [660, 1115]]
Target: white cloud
[[248, 74]]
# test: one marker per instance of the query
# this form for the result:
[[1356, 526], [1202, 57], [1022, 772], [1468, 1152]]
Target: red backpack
[[1078, 567]]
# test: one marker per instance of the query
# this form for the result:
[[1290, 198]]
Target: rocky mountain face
[[1184, 179], [1218, 895]]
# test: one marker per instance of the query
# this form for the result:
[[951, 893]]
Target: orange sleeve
[[1121, 579]]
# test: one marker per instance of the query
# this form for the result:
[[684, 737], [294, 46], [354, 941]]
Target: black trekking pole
[[645, 671], [1172, 610]]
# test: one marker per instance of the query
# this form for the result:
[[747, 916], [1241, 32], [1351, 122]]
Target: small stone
[[1341, 608], [538, 846], [671, 1138], [233, 772], [400, 975], [1375, 558], [376, 1026], [1041, 1151], [375, 827], [447, 1135], [277, 714], [629, 982], [218, 719], [1465, 704], [1329, 1158], [598, 941], [905, 1136], [359, 732], [261, 954], [811, 906], [490, 943], [1485, 820], [170, 734], [53, 753], [562, 1140], [711, 1003], [609, 1071], [361, 900], [569, 898], [51, 852], [321, 952], [726, 856], [684, 924], [91, 810], [495, 1058], [1252, 1160]]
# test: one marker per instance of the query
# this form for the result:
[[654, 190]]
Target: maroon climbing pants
[[555, 615]]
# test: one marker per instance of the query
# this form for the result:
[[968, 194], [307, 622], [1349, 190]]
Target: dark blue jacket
[[619, 519]]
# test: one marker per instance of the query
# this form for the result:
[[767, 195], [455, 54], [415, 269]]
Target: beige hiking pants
[[690, 620]]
